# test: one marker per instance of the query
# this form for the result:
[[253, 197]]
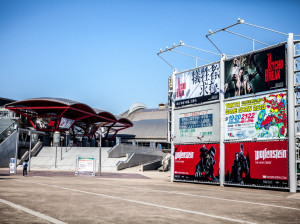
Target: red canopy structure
[[58, 114]]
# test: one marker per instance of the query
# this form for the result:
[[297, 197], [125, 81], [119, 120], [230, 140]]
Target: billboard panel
[[255, 72], [262, 117], [65, 123], [197, 85], [197, 162], [197, 122], [45, 122], [263, 163]]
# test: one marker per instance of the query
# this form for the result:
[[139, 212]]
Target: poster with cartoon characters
[[263, 117], [198, 163]]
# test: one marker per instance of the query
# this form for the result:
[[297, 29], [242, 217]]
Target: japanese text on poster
[[198, 85]]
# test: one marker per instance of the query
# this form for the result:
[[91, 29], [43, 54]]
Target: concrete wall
[[137, 159], [8, 149], [154, 165], [122, 150]]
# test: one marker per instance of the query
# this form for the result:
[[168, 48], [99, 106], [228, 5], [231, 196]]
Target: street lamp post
[[61, 141], [100, 143], [29, 152], [17, 149]]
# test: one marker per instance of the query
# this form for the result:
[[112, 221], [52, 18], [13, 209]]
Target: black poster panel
[[255, 72]]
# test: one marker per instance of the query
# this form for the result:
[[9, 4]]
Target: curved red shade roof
[[58, 108]]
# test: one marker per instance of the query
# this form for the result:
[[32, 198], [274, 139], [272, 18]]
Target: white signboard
[[65, 123], [85, 166], [12, 165], [196, 124], [197, 85]]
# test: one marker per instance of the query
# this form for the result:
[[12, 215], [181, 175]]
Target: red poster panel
[[257, 163], [197, 162]]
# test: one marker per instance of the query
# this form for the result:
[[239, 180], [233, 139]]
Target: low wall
[[8, 149], [137, 159], [154, 165], [121, 150]]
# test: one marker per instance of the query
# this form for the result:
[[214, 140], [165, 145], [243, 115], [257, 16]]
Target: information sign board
[[85, 166]]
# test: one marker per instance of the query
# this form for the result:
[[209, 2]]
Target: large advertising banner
[[201, 122], [198, 85], [255, 72], [197, 162], [263, 117], [262, 163]]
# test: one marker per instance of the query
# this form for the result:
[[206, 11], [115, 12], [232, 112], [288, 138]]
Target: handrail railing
[[6, 132]]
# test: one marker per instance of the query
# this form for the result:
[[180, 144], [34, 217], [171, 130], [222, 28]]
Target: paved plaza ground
[[136, 197]]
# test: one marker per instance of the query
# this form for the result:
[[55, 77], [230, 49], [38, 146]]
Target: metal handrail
[[9, 128]]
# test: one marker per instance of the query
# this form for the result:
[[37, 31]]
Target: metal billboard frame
[[291, 88]]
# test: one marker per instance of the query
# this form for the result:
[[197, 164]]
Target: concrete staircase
[[45, 160]]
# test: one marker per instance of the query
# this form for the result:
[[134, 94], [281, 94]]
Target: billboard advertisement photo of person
[[255, 72], [258, 163], [197, 162]]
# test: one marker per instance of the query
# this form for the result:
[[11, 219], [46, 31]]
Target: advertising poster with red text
[[197, 163], [259, 163], [255, 72], [42, 123], [198, 85]]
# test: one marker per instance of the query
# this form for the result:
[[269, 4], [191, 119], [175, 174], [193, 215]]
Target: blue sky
[[103, 53]]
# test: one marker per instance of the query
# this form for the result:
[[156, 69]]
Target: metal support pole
[[222, 121], [291, 114], [29, 152], [55, 156], [17, 149], [66, 141], [172, 127], [100, 143], [61, 141]]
